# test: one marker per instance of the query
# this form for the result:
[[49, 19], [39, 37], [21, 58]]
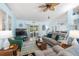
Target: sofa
[[58, 51]]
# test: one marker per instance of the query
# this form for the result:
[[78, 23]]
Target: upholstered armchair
[[18, 42]]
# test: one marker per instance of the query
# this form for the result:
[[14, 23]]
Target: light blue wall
[[71, 19], [7, 11]]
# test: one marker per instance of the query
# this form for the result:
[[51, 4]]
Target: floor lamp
[[74, 34]]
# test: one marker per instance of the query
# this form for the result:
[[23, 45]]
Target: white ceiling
[[30, 11]]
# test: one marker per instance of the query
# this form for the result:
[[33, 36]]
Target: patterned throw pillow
[[61, 37]]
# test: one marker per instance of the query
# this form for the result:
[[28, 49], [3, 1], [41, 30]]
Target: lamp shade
[[4, 43], [74, 33], [5, 34]]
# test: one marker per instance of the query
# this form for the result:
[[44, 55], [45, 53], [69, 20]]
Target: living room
[[39, 29]]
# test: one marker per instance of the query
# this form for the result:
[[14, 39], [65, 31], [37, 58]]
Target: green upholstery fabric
[[49, 35], [18, 42], [57, 37], [19, 38]]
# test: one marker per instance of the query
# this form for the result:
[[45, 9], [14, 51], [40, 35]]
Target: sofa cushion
[[49, 52], [57, 48], [64, 53], [39, 53]]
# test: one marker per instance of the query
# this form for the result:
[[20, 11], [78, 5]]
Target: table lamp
[[74, 34], [4, 35]]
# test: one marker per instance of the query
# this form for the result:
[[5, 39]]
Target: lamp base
[[74, 42], [5, 44]]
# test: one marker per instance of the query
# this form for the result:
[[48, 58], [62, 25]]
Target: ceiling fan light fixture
[[48, 6]]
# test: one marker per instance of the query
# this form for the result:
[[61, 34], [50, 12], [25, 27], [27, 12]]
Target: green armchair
[[18, 42]]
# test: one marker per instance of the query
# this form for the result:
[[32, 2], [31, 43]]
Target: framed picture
[[33, 28]]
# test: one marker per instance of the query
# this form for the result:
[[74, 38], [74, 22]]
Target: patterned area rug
[[31, 54], [28, 47]]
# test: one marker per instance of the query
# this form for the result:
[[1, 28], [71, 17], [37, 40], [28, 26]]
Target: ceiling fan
[[48, 6]]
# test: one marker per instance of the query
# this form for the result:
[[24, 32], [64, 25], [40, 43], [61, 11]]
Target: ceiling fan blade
[[42, 6], [45, 9], [52, 8], [54, 4]]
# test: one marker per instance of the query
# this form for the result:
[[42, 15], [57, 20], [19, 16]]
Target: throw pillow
[[61, 37], [49, 35], [57, 37], [70, 39], [54, 35]]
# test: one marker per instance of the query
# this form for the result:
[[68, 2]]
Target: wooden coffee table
[[41, 45]]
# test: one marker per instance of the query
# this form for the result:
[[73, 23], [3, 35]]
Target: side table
[[65, 46], [9, 52]]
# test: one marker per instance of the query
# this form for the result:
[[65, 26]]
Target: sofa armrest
[[57, 48]]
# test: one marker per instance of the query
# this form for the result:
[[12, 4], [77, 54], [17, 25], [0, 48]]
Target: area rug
[[31, 54]]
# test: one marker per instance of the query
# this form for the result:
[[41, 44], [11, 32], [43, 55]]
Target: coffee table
[[41, 45]]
